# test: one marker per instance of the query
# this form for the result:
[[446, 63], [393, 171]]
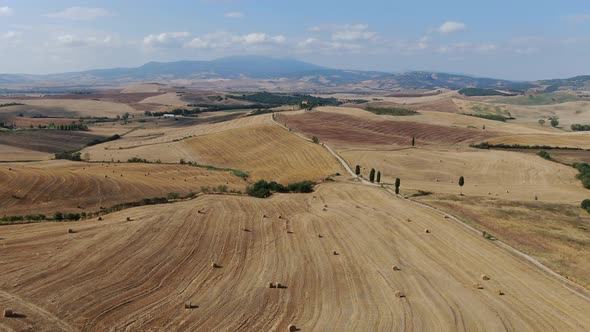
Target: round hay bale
[[427, 231], [70, 231], [188, 305], [409, 220], [270, 285], [7, 313], [335, 253], [399, 294], [485, 277], [396, 268], [215, 265], [477, 285], [128, 219], [500, 292], [291, 328], [278, 285], [320, 236], [99, 218]]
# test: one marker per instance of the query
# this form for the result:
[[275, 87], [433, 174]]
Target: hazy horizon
[[505, 40]]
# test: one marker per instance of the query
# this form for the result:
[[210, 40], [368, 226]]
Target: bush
[[586, 204], [173, 196], [584, 174], [263, 189], [75, 156], [315, 140], [103, 140], [545, 155], [391, 111], [579, 127]]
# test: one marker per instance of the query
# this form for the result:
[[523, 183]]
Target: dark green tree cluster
[[75, 156], [586, 205], [263, 189], [69, 127], [580, 127], [584, 174]]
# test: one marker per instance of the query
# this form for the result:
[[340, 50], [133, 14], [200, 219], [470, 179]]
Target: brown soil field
[[266, 152], [342, 129], [139, 274], [113, 96], [27, 122], [68, 108], [50, 141], [47, 187], [572, 140], [11, 153], [491, 173], [555, 234], [563, 156]]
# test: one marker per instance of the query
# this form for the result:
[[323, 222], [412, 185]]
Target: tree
[[483, 127], [413, 141], [372, 175], [58, 216], [357, 170], [397, 184], [461, 183], [542, 122], [315, 140], [125, 116], [554, 121], [379, 177]]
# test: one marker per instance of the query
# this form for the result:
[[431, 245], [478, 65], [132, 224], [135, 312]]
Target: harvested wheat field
[[155, 272], [11, 153], [503, 174], [70, 107], [47, 187], [265, 152], [346, 130], [571, 140], [555, 234]]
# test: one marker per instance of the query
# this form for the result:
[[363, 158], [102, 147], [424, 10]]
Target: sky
[[517, 39]]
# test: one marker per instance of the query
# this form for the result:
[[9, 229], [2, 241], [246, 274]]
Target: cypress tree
[[372, 175], [379, 177], [357, 170]]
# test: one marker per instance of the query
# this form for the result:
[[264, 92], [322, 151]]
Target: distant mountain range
[[255, 72]]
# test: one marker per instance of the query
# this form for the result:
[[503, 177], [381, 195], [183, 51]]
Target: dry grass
[[555, 234]]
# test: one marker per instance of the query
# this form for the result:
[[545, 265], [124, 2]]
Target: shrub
[[173, 196], [315, 140], [263, 189], [391, 111], [586, 204], [545, 155], [75, 156]]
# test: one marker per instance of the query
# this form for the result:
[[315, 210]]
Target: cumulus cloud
[[80, 13], [224, 40], [234, 15], [69, 40], [6, 11], [10, 35], [450, 27], [166, 39], [347, 32]]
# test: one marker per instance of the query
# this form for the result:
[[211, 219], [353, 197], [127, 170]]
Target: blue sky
[[503, 39]]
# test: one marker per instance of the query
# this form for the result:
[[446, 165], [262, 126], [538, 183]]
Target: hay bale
[[320, 236], [409, 220], [70, 231], [188, 305], [500, 292], [477, 285], [427, 231], [485, 277], [99, 218], [215, 265], [270, 285], [396, 268], [399, 294], [7, 313], [264, 216], [128, 219], [291, 328], [335, 253], [278, 285]]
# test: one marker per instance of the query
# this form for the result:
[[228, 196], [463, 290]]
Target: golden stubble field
[[138, 274]]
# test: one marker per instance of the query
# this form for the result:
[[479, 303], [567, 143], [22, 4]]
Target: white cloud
[[6, 11], [346, 32], [224, 40], [80, 13], [234, 15], [451, 26], [69, 40], [10, 35], [166, 39]]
